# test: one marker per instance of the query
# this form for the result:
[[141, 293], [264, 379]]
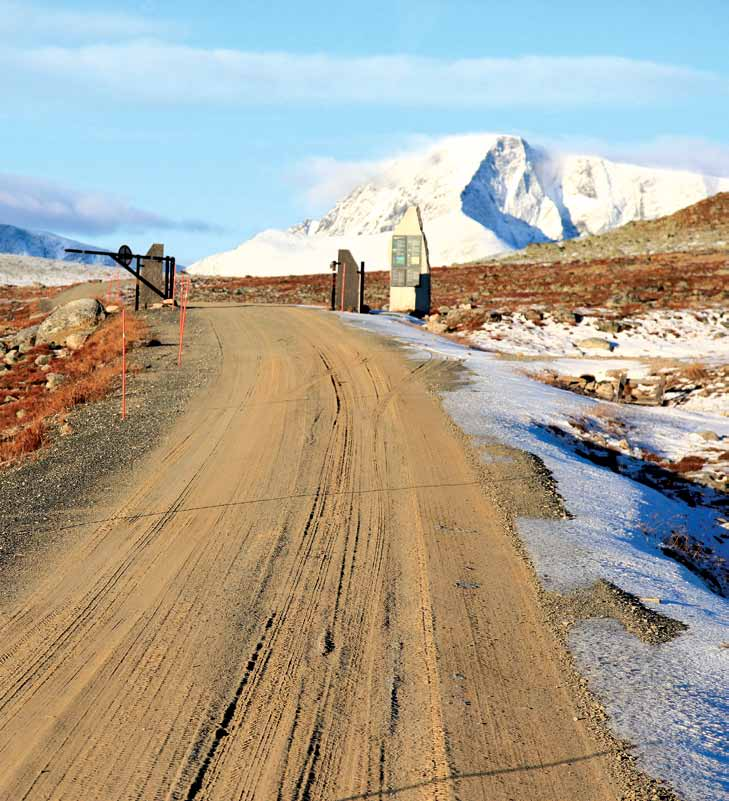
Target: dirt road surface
[[305, 594]]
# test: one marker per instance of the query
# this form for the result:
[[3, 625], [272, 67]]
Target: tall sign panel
[[409, 266]]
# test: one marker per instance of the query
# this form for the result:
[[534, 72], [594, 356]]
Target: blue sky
[[200, 124]]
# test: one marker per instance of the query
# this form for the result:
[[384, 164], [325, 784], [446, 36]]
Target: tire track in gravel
[[297, 649]]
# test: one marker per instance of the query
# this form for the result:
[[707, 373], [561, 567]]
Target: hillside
[[25, 270], [480, 196], [702, 226]]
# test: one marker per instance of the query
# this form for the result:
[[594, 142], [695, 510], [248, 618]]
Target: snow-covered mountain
[[22, 242], [479, 195]]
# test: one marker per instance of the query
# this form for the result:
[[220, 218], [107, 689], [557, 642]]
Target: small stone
[[44, 358], [709, 436], [54, 380]]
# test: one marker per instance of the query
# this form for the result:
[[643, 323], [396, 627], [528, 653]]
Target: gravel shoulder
[[47, 496]]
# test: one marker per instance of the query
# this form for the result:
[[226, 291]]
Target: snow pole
[[124, 364], [184, 292]]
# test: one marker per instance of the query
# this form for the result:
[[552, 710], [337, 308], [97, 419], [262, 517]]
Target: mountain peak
[[479, 195]]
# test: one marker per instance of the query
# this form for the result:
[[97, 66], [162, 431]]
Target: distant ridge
[[44, 245]]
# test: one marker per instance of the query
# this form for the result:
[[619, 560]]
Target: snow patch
[[670, 700]]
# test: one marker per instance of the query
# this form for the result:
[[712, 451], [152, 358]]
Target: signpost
[[410, 266]]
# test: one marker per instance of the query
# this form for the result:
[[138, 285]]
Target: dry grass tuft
[[90, 372], [695, 372], [688, 464]]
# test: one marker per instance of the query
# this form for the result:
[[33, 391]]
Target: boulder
[[76, 340], [11, 357], [436, 326], [594, 343], [566, 317], [76, 317], [534, 315], [25, 337], [608, 326], [605, 390], [709, 436]]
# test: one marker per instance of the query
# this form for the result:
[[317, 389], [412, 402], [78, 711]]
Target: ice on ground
[[669, 700]]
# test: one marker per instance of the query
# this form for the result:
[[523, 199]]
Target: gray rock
[[54, 380], [605, 390], [567, 317], [76, 317], [44, 358], [594, 343], [77, 340], [26, 336]]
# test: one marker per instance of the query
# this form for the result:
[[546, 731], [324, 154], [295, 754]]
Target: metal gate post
[[136, 287], [333, 268]]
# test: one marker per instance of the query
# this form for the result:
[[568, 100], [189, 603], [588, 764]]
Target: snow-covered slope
[[22, 242], [479, 195], [26, 270]]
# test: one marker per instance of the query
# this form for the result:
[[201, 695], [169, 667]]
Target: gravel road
[[303, 589]]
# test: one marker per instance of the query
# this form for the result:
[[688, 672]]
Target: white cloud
[[164, 73], [37, 204], [693, 153], [28, 22]]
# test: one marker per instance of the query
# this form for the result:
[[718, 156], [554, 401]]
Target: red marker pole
[[184, 292], [124, 365]]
